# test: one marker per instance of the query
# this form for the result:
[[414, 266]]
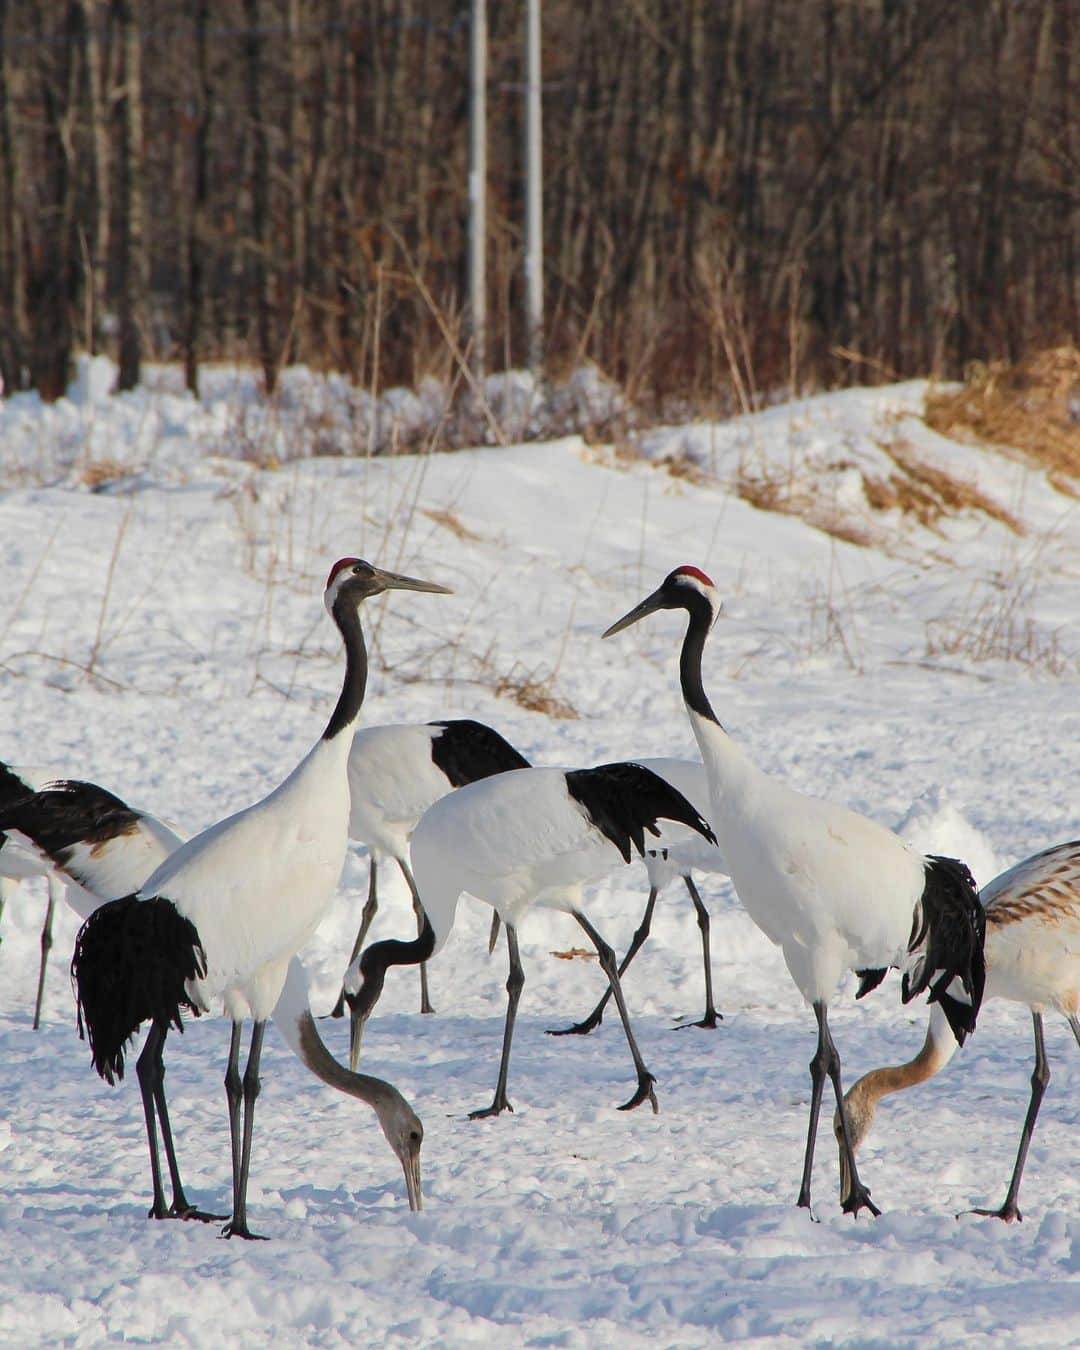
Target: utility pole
[[534, 217], [478, 183]]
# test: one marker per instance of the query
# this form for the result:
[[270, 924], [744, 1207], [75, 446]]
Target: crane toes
[[1007, 1213], [493, 1110], [859, 1198], [180, 1209], [644, 1093], [241, 1230], [709, 1022], [578, 1029]]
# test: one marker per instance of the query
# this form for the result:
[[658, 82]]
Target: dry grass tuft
[[1032, 407], [994, 625], [927, 492], [535, 693], [769, 492], [449, 520], [575, 954], [98, 473]]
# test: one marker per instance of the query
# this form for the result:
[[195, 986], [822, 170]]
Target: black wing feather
[[66, 813], [466, 751], [623, 800]]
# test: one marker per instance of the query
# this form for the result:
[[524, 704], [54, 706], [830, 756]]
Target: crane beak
[[649, 605], [411, 1167], [356, 1035], [394, 581]]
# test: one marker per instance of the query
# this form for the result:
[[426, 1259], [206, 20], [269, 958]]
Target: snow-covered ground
[[165, 636]]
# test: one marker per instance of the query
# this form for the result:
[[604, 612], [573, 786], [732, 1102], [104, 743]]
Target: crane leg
[[493, 935], [151, 1072], [366, 919], [46, 946], [514, 983], [238, 1225], [421, 919], [594, 1018], [826, 1062], [607, 964], [1040, 1076], [711, 1017]]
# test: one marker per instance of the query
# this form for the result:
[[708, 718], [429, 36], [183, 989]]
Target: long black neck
[[380, 956], [347, 617], [699, 621]]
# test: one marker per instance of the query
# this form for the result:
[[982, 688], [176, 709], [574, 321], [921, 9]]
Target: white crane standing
[[395, 773], [529, 836], [834, 890], [105, 849], [679, 852], [1032, 957], [225, 913]]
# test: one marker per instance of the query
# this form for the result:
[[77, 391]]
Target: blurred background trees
[[744, 196]]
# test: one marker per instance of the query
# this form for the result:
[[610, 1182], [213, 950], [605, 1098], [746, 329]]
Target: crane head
[[405, 1134], [355, 579], [681, 589]]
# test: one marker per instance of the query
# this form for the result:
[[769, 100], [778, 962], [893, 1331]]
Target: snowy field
[[164, 635]]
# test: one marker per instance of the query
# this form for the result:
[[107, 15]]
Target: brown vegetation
[[739, 198], [1032, 406]]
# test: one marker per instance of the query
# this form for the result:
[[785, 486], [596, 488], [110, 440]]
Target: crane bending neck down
[[225, 913]]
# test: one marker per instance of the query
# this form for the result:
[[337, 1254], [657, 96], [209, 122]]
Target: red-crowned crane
[[105, 849], [20, 864], [225, 913], [679, 852], [1032, 957], [834, 890], [395, 773], [528, 836]]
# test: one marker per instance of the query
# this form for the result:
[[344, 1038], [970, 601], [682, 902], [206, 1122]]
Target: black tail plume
[[623, 800], [948, 934], [132, 958]]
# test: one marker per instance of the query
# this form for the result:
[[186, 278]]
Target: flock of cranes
[[175, 925]]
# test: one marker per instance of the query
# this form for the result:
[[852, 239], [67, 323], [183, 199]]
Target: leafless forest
[[740, 196]]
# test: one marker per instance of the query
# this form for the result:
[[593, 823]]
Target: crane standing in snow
[[395, 773], [225, 913], [1033, 958], [105, 849], [834, 890], [529, 836]]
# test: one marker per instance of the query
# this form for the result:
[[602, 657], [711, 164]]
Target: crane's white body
[[513, 840], [256, 884], [392, 782], [1033, 932], [834, 890]]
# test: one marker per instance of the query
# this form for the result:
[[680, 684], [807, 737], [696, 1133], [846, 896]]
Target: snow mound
[[934, 824]]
